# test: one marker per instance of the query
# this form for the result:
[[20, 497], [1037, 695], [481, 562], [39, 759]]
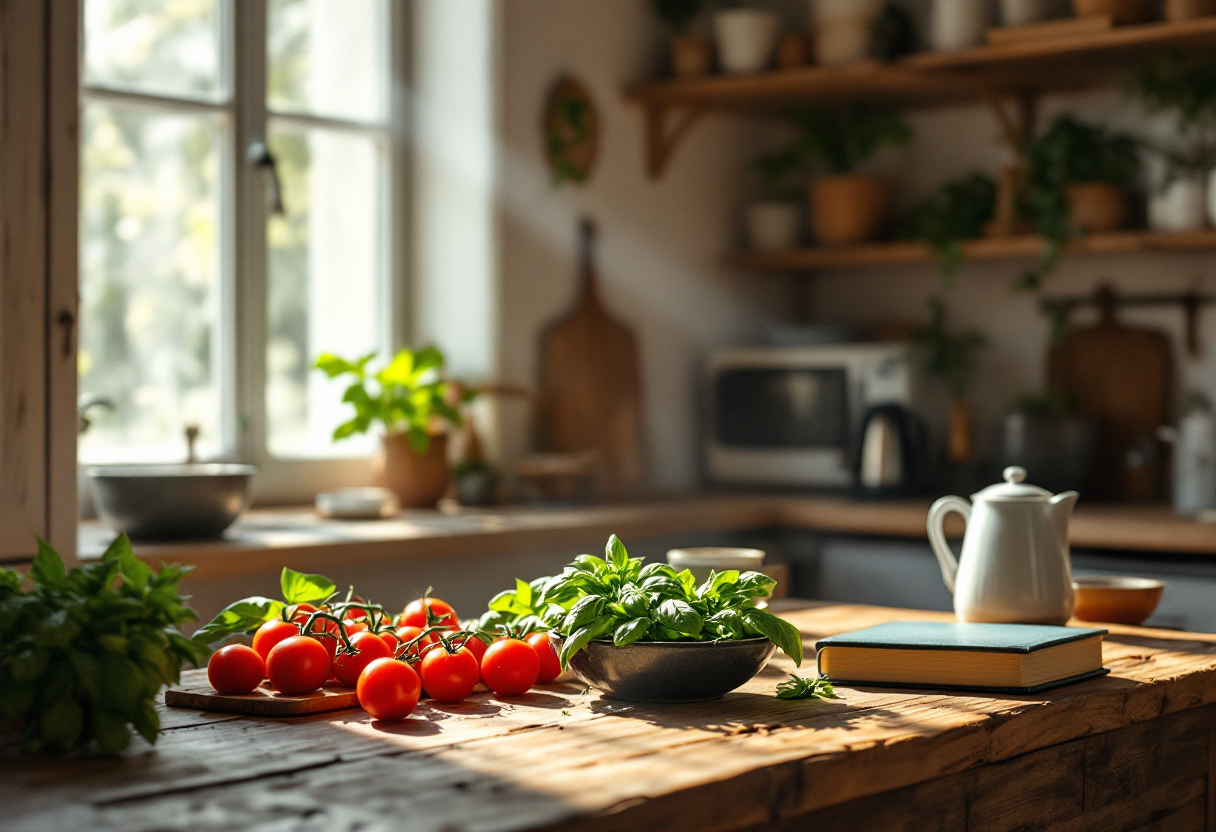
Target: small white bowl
[[703, 560], [358, 503]]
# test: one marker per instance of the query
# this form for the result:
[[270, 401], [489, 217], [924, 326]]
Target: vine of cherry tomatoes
[[390, 661]]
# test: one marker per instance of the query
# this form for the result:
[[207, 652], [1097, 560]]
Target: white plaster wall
[[661, 243]]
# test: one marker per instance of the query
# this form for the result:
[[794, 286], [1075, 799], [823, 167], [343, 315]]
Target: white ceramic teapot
[[1014, 567]]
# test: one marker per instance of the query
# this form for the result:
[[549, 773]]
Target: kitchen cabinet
[[38, 183]]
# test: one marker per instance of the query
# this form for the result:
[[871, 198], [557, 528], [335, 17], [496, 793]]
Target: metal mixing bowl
[[171, 502]]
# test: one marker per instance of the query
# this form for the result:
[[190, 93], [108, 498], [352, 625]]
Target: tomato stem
[[341, 636]]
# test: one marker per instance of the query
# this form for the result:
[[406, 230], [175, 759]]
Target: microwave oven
[[789, 416]]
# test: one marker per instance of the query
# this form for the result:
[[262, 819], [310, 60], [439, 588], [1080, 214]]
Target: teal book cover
[[939, 635]]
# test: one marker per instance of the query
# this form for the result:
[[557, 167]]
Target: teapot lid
[[1013, 488]]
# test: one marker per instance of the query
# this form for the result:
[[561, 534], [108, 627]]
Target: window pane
[[326, 277], [150, 280], [154, 46], [328, 58]]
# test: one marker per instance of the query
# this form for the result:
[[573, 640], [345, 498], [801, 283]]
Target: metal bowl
[[171, 502], [670, 671]]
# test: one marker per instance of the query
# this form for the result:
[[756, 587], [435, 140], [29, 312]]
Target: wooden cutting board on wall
[[591, 385], [1121, 377]]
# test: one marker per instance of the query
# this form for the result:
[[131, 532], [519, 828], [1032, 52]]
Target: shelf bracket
[[666, 127]]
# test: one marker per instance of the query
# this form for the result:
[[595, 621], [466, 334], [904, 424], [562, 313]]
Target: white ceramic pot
[[1182, 206], [1194, 461], [746, 39], [1014, 567], [958, 24], [1025, 12], [843, 30], [773, 226]]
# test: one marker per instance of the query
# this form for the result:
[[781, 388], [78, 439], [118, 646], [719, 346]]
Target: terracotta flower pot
[[849, 208], [691, 56], [1121, 11], [1096, 206], [418, 480]]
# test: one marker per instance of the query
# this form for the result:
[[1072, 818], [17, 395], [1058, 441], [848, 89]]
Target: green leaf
[[134, 571], [111, 731], [303, 588], [688, 582], [242, 616], [726, 625], [62, 724], [579, 639], [652, 570], [755, 585], [523, 593], [801, 687], [716, 581], [630, 631], [582, 613], [590, 564], [681, 617], [663, 585], [777, 630], [334, 366], [47, 569], [614, 553], [146, 720], [420, 440]]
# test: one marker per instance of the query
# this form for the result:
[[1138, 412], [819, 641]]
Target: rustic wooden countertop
[[269, 539], [1116, 753]]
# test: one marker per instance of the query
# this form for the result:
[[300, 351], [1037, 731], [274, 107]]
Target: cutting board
[[591, 385], [194, 692], [1120, 377]]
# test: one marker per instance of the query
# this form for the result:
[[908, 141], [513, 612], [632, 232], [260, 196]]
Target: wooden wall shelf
[[1001, 248], [925, 79]]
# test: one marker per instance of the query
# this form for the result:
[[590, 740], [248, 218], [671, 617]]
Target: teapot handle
[[937, 534]]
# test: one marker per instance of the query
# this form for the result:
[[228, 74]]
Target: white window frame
[[244, 284]]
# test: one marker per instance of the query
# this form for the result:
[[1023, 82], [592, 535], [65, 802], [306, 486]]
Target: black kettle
[[891, 453]]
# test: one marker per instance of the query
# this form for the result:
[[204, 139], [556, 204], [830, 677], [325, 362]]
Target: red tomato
[[413, 615], [510, 667], [408, 634], [298, 665], [271, 633], [390, 639], [550, 667], [388, 689], [353, 627], [321, 625], [477, 647], [448, 677], [370, 646], [235, 669]]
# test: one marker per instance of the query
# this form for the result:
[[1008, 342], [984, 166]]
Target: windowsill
[[265, 540]]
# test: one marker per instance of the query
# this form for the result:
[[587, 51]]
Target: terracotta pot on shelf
[[1096, 206], [691, 56], [418, 480], [1122, 12], [959, 445], [849, 208], [1176, 10]]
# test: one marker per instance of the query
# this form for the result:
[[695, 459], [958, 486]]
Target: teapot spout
[[1059, 509]]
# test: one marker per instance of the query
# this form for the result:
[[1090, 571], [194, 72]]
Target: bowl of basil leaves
[[647, 633]]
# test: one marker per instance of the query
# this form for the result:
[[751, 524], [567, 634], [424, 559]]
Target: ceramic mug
[[703, 560]]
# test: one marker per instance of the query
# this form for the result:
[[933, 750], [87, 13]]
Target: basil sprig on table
[[618, 598], [246, 615]]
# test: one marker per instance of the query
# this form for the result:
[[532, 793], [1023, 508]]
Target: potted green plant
[[1077, 181], [1186, 88], [774, 222], [957, 211], [691, 54], [951, 358], [415, 405], [847, 207]]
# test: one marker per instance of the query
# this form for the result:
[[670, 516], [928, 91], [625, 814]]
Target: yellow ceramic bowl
[[1116, 599]]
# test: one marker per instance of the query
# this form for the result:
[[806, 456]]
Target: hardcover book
[[995, 658]]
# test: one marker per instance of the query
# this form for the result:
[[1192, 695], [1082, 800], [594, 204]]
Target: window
[[203, 303]]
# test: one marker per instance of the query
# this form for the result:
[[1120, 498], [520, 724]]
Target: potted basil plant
[[847, 206], [415, 405]]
